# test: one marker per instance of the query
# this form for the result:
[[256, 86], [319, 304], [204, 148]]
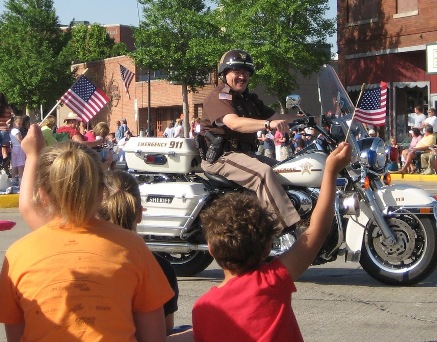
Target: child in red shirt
[[253, 303]]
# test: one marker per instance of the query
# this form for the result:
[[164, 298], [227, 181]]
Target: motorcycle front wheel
[[188, 264], [411, 259]]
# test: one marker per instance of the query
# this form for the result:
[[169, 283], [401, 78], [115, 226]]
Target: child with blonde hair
[[121, 205], [76, 277]]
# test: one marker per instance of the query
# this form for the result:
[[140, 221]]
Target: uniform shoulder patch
[[225, 96]]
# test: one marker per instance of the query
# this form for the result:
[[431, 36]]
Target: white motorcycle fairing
[[402, 194], [305, 170]]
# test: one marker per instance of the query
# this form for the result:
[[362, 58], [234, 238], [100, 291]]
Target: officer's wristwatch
[[267, 124]]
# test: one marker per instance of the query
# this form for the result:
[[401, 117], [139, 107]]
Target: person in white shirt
[[419, 118], [18, 157], [431, 120], [178, 129], [169, 131], [121, 144]]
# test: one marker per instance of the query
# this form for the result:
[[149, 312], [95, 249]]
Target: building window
[[403, 6], [406, 8], [362, 11], [143, 76], [159, 122]]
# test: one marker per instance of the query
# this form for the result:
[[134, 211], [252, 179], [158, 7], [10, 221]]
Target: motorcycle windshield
[[337, 109]]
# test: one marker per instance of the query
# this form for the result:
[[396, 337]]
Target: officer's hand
[[280, 125]]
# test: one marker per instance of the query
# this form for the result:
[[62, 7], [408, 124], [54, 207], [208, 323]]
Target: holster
[[215, 149]]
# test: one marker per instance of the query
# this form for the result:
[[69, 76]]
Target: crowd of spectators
[[280, 146]]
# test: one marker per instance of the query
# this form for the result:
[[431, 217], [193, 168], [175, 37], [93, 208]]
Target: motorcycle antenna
[[353, 115]]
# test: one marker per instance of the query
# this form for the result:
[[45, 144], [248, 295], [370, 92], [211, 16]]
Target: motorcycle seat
[[221, 182]]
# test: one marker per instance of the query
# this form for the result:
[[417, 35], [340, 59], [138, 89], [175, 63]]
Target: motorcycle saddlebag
[[162, 155]]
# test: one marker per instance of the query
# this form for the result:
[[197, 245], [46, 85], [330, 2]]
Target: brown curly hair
[[239, 231]]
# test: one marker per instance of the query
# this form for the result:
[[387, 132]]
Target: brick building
[[391, 41]]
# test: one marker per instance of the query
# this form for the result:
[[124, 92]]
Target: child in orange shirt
[[76, 277]]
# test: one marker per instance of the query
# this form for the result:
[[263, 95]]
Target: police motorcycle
[[389, 229]]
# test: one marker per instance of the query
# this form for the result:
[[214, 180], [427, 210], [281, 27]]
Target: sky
[[124, 12]]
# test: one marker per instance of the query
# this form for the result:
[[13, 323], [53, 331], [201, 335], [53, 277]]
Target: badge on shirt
[[224, 96]]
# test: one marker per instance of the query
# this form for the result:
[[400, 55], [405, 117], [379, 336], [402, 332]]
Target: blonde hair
[[101, 129], [49, 121], [121, 199], [68, 182]]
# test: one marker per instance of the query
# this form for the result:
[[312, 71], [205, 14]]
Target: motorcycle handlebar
[[310, 121]]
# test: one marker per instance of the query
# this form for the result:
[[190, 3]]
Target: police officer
[[234, 115]]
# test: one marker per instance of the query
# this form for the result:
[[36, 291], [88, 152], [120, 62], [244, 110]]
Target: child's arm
[[32, 145], [303, 252], [150, 326]]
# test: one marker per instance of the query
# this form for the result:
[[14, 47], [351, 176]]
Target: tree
[[91, 43], [31, 69], [284, 37], [181, 37]]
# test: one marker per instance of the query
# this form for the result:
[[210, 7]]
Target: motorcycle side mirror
[[292, 101]]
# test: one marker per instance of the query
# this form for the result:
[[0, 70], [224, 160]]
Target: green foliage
[[91, 43], [179, 36], [32, 71], [182, 37], [283, 36]]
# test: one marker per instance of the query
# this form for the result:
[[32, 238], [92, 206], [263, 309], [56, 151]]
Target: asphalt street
[[334, 302]]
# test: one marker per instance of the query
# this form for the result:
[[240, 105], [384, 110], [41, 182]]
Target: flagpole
[[353, 115], [59, 101]]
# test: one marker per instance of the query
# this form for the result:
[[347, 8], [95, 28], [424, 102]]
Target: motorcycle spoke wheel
[[188, 264], [409, 260]]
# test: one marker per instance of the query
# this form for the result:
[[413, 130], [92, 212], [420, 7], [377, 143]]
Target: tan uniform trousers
[[259, 177]]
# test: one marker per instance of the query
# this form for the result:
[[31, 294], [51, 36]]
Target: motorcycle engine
[[303, 200]]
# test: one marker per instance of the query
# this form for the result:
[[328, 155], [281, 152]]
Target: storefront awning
[[411, 84]]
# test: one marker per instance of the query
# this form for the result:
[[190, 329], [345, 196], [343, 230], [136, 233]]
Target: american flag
[[127, 77], [372, 107], [85, 99]]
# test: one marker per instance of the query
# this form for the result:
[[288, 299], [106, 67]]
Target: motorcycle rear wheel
[[188, 264], [411, 259]]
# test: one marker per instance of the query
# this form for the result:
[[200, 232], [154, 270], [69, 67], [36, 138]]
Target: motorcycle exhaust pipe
[[177, 247]]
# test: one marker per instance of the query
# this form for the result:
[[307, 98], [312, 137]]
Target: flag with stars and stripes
[[127, 77], [85, 99], [372, 107]]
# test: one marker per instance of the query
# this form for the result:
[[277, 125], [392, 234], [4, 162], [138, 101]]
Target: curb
[[413, 178], [9, 201]]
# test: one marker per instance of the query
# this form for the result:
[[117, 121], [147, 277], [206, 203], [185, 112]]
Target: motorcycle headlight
[[372, 153]]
